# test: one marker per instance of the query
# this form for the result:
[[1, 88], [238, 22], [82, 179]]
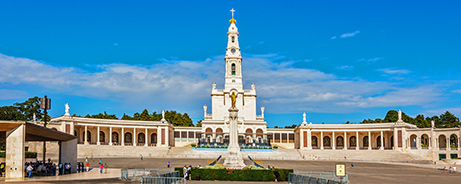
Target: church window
[[233, 69]]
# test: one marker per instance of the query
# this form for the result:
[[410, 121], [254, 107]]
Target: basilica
[[106, 137]]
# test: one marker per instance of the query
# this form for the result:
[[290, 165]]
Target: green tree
[[102, 116], [199, 123], [23, 111], [449, 120]]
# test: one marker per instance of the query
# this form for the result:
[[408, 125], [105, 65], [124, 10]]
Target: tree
[[292, 126], [199, 123], [449, 120], [102, 116], [23, 111]]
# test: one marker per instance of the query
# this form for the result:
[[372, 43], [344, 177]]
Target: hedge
[[28, 154], [237, 175]]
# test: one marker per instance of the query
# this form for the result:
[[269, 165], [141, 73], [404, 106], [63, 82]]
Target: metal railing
[[162, 180], [137, 174], [316, 177]]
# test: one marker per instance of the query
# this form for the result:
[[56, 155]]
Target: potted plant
[[193, 146], [275, 148]]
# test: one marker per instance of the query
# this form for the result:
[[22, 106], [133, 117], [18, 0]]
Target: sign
[[45, 103], [340, 170]]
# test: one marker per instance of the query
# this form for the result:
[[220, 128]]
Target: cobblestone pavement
[[361, 173]]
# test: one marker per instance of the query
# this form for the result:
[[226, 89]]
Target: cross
[[232, 12]]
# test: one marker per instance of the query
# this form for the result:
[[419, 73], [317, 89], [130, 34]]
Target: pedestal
[[233, 157]]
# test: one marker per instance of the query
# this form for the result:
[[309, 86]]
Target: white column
[[159, 136], [334, 141], [167, 137], [395, 139], [357, 140], [321, 140], [134, 136], [86, 135], [448, 148], [382, 141], [281, 138], [98, 135], [418, 143], [110, 136], [369, 140], [145, 138], [309, 139], [345, 140], [180, 136], [301, 138], [123, 136], [187, 135], [195, 136]]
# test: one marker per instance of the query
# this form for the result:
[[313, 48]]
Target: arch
[[365, 141], [326, 141], [141, 138], [88, 136], [248, 131], [259, 132], [352, 141], [442, 141], [208, 131], [314, 141], [102, 136], [378, 141], [413, 141], [219, 131], [453, 141], [340, 141], [424, 141], [153, 138], [233, 68], [128, 138], [115, 137]]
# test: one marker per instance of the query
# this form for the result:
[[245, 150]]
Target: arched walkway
[[413, 141], [128, 138], [153, 138], [365, 142], [442, 142], [326, 141], [314, 142], [141, 139], [352, 142], [102, 137], [339, 142], [424, 141], [453, 141]]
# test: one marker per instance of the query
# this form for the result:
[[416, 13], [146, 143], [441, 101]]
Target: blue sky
[[337, 61]]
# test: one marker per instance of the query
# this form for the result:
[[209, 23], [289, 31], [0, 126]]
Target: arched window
[[233, 68], [233, 39], [353, 141], [442, 141], [153, 138], [326, 141], [378, 140], [365, 141], [141, 138], [128, 137], [115, 137], [102, 136], [339, 141], [88, 135], [314, 141]]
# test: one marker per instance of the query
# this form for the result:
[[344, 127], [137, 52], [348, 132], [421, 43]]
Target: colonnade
[[358, 139], [124, 135]]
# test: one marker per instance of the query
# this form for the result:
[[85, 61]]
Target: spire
[[232, 21]]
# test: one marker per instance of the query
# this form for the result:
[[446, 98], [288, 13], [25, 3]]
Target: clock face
[[233, 50]]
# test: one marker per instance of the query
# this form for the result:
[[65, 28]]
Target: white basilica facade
[[105, 137]]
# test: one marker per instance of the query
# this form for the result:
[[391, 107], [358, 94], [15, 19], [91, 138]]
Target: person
[[352, 164], [101, 167], [450, 170], [141, 157], [100, 161], [29, 170], [43, 170], [269, 166], [276, 174], [2, 167], [184, 171], [87, 167], [168, 164], [60, 168], [454, 168], [444, 169], [49, 159], [70, 168], [86, 159], [91, 157], [189, 171], [105, 168]]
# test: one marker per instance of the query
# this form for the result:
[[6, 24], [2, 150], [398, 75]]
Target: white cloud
[[346, 35], [11, 94], [187, 84], [370, 60], [334, 37], [456, 91], [391, 71], [345, 67]]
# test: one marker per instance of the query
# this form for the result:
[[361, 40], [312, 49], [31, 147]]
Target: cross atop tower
[[232, 12]]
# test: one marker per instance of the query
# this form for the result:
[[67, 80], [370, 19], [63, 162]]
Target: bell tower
[[233, 58]]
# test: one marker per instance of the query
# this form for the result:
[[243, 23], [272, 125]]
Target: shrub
[[28, 154], [275, 147], [193, 145], [31, 154], [250, 173]]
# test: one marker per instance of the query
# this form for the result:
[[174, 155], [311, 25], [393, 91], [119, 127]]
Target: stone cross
[[232, 12]]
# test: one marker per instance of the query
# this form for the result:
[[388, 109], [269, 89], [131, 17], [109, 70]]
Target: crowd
[[46, 169], [2, 169]]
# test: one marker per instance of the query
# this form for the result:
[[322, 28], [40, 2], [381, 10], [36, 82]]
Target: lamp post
[[45, 103]]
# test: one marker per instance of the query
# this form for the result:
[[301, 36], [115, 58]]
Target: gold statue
[[233, 96]]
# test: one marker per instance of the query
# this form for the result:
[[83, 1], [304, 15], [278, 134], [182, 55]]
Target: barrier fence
[[152, 175], [316, 177]]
